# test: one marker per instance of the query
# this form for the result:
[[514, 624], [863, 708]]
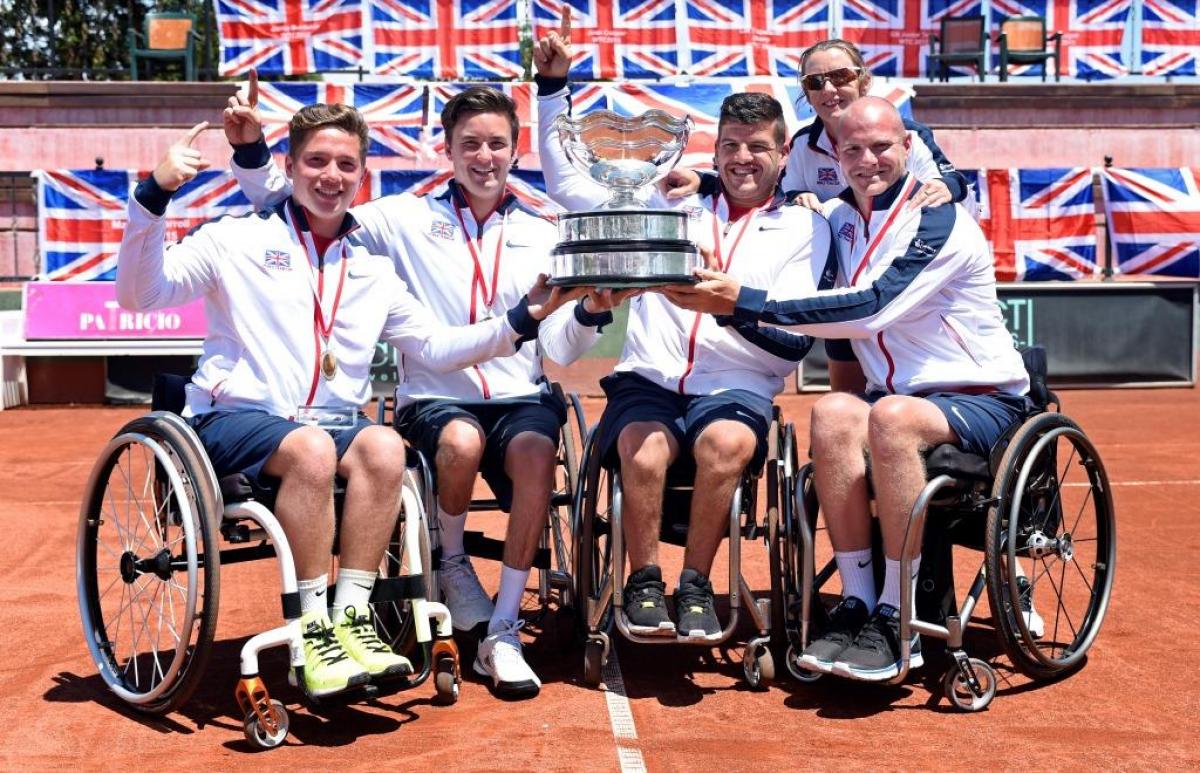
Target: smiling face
[[326, 171], [749, 158], [480, 148], [873, 147], [831, 100]]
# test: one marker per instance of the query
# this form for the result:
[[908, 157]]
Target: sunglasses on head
[[842, 76]]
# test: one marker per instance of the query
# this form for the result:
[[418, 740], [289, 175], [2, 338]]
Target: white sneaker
[[501, 659], [466, 599], [1033, 621]]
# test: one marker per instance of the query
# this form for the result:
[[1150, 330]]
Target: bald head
[[872, 146]]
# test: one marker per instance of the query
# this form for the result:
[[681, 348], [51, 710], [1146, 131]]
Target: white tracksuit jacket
[[782, 248], [259, 285], [424, 239], [917, 299]]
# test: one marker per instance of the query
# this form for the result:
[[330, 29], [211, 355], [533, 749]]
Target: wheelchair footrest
[[398, 589], [480, 546]]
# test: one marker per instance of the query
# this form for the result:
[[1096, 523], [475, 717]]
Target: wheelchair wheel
[[560, 534], [393, 618], [1051, 546], [593, 506], [781, 545], [147, 563]]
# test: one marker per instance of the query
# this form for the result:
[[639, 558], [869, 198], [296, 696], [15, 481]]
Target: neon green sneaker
[[357, 635], [328, 669]]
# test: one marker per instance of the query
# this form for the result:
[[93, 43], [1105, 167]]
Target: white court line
[[621, 716], [1140, 483]]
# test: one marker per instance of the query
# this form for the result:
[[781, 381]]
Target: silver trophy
[[624, 243]]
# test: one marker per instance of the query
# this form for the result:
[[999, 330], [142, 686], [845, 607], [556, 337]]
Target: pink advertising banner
[[74, 310]]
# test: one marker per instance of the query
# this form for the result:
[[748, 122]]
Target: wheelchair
[[155, 528], [600, 555], [554, 558], [1039, 508]]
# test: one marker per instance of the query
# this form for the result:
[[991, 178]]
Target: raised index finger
[[193, 133], [564, 25], [252, 89]]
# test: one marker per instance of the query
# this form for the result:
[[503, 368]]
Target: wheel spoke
[[1054, 503], [1083, 577], [1082, 507], [116, 515], [1061, 604]]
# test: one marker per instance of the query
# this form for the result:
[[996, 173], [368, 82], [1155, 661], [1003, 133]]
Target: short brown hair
[[475, 100], [847, 48], [313, 118]]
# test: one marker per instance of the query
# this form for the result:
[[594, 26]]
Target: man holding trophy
[[684, 384]]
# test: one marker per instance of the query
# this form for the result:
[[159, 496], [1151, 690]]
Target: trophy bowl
[[625, 243]]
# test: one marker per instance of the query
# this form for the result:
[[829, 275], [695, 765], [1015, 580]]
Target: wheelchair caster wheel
[[593, 663], [758, 665], [960, 692], [802, 675], [445, 682], [259, 735]]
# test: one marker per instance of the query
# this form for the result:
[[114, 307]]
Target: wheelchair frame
[[602, 603], [1008, 491], [183, 494]]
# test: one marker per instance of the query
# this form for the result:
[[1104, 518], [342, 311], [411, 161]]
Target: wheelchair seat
[[951, 460]]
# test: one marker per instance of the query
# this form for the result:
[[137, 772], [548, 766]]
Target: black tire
[[562, 515], [593, 663], [1053, 517], [593, 500], [394, 619], [147, 544], [781, 477]]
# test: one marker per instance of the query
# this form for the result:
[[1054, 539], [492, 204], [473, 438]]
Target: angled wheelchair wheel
[[1051, 546], [591, 530], [559, 534], [782, 549], [147, 564], [393, 618]]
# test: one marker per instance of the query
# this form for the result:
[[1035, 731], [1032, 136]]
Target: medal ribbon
[[321, 330], [478, 281]]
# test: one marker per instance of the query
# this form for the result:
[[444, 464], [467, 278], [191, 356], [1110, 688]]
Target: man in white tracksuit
[[294, 310], [466, 253], [918, 304], [684, 383]]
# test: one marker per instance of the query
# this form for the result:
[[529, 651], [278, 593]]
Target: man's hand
[[552, 53], [243, 124], [807, 200], [602, 299], [182, 162], [715, 293], [932, 193], [679, 183], [545, 300]]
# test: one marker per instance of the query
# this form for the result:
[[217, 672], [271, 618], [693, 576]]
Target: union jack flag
[[447, 38], [1154, 220], [894, 34], [615, 39], [81, 216], [1092, 33], [393, 112], [1170, 37], [289, 37], [441, 93], [753, 37], [528, 186], [1041, 223]]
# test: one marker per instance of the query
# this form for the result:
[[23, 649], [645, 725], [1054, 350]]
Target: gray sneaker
[[466, 599], [845, 621]]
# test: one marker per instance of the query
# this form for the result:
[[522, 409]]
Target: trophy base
[[622, 264], [621, 282]]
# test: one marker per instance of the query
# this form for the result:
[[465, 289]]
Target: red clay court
[[674, 708]]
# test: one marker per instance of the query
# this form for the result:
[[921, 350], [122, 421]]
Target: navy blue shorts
[[632, 398], [978, 420], [422, 423], [243, 441]]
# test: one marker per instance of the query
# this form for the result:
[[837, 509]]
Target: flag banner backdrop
[[752, 37], [1154, 220], [894, 34], [611, 39], [393, 112], [1041, 223], [1092, 33], [289, 37], [446, 39], [1170, 37], [81, 216]]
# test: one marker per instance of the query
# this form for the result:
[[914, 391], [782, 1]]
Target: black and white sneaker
[[500, 659], [646, 603], [695, 617], [875, 654], [845, 621], [1033, 621]]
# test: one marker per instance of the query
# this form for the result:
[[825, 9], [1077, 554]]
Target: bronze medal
[[328, 364]]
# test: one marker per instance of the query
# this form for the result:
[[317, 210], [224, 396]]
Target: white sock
[[353, 589], [858, 575], [312, 595], [891, 581], [508, 600], [452, 527]]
